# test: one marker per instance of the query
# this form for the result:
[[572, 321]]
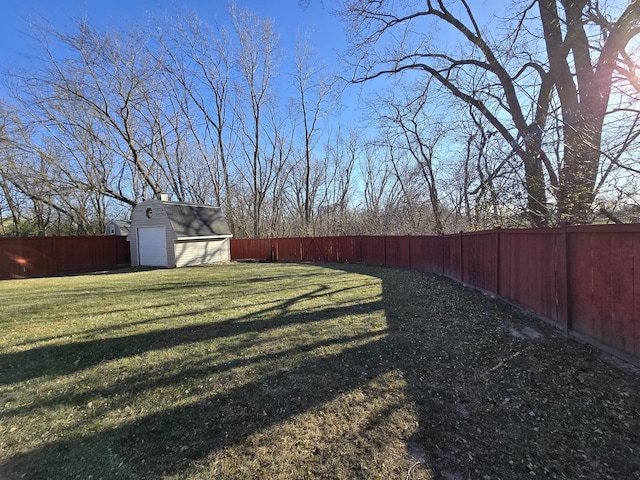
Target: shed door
[[152, 246]]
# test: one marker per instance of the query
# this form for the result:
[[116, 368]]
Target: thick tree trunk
[[535, 186], [578, 176]]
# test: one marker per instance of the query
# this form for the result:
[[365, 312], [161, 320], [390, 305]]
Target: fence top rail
[[604, 228], [529, 231], [475, 234], [613, 228]]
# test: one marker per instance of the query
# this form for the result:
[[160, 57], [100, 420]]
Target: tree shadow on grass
[[487, 401], [167, 442], [71, 357]]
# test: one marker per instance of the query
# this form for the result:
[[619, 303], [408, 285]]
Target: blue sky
[[290, 17]]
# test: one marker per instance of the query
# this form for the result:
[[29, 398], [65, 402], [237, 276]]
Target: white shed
[[117, 227], [172, 234]]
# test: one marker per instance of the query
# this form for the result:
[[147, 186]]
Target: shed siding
[[111, 228], [198, 252], [117, 227], [159, 219]]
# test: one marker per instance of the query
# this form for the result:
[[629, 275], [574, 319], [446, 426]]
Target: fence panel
[[328, 250], [287, 249], [306, 249], [480, 260], [632, 322], [75, 254], [78, 254], [313, 250], [372, 250], [604, 285], [25, 257], [426, 253], [123, 252], [347, 249], [452, 256], [529, 273], [251, 248], [397, 252]]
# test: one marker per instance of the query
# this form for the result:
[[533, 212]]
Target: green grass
[[235, 370], [296, 371]]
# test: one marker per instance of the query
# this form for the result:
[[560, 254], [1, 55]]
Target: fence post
[[562, 285], [461, 257], [497, 233], [113, 249], [384, 250], [442, 237], [410, 263], [55, 257]]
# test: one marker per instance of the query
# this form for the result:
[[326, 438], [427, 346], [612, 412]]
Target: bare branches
[[514, 91]]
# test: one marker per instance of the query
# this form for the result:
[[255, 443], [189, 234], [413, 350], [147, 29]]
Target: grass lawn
[[271, 371]]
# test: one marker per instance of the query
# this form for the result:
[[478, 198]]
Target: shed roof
[[124, 225], [191, 220]]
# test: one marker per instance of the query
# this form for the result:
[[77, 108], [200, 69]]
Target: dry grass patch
[[299, 371]]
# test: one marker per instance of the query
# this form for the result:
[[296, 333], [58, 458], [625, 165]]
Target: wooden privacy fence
[[24, 257], [584, 279]]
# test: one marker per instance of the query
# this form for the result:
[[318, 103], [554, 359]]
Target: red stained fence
[[41, 256], [584, 279]]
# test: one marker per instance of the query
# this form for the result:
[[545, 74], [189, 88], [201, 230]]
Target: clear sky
[[290, 17]]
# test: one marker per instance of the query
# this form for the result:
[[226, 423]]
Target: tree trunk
[[578, 176], [535, 187]]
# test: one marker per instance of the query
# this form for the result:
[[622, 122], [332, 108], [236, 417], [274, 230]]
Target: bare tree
[[256, 60], [197, 59], [312, 87], [336, 178], [277, 154], [380, 190], [94, 107], [510, 81], [36, 187], [491, 184], [411, 132], [8, 151]]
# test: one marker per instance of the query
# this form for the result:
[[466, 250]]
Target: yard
[[299, 371]]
